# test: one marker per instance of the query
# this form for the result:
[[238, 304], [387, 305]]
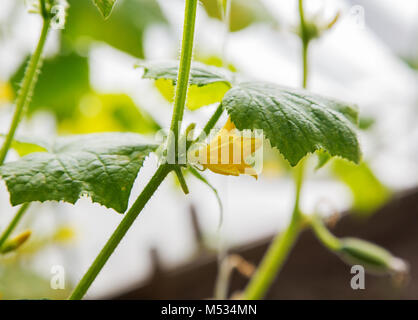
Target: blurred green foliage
[[368, 192], [243, 12], [108, 112], [63, 81], [64, 86], [123, 30], [18, 281]]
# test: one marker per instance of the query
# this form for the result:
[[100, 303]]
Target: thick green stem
[[25, 93], [120, 232], [184, 72], [163, 170], [279, 249], [12, 225]]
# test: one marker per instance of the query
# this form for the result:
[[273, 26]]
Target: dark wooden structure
[[311, 272]]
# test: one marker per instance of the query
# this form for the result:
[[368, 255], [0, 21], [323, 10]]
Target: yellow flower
[[228, 152]]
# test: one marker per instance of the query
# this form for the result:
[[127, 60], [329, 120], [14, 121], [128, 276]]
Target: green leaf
[[200, 74], [208, 83], [124, 29], [368, 192], [366, 123], [105, 6], [296, 122], [323, 158], [101, 166], [25, 145]]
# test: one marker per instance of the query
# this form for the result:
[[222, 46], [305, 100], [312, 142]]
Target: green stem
[[305, 44], [322, 233], [28, 85], [184, 71], [305, 63], [211, 123], [25, 93], [279, 249], [163, 170], [182, 181], [120, 232], [282, 244], [7, 232]]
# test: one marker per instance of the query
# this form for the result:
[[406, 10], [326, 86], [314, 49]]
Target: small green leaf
[[102, 166], [296, 122], [105, 6], [200, 74], [366, 123], [323, 158], [197, 97], [208, 83]]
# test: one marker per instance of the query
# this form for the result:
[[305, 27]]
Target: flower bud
[[16, 242]]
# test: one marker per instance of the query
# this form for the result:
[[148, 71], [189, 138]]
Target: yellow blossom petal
[[228, 151]]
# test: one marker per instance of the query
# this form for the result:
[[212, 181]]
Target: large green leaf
[[124, 29], [101, 166], [105, 6], [296, 122], [208, 83]]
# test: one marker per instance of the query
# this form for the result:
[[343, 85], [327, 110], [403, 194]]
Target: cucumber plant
[[104, 166]]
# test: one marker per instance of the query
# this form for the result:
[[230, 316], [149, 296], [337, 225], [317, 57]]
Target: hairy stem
[[25, 93], [12, 225], [184, 71], [279, 249], [163, 170], [119, 233]]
